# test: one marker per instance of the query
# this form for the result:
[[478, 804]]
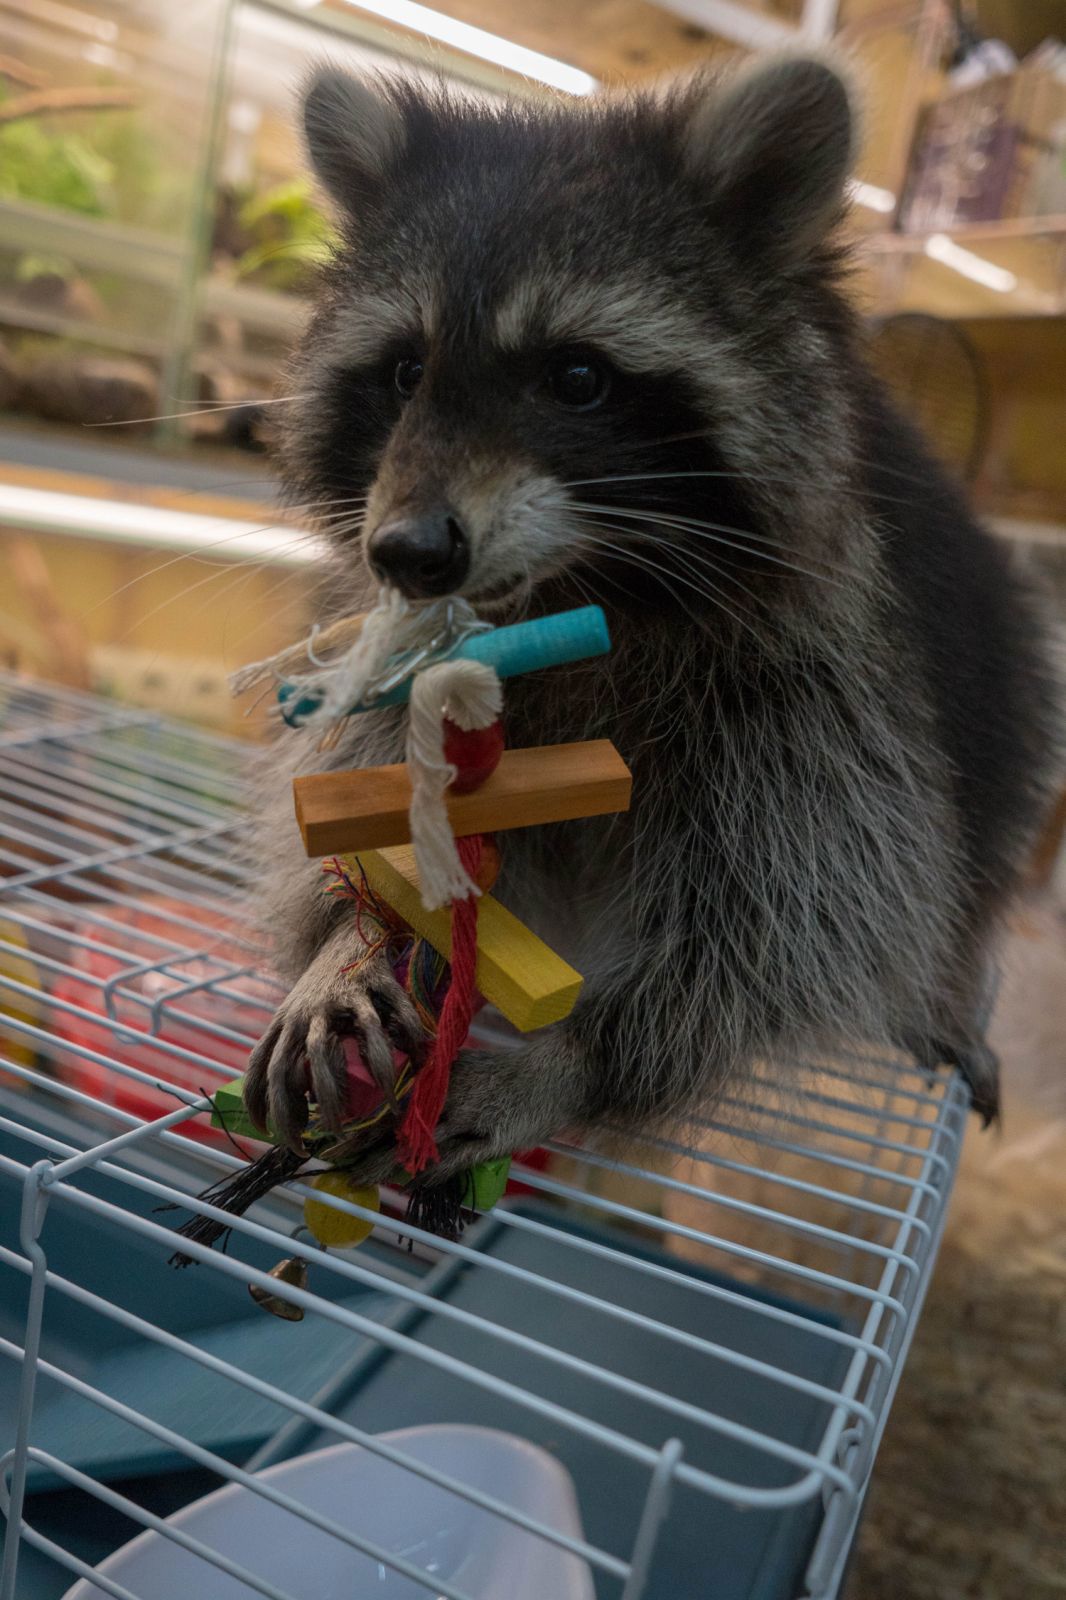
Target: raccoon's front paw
[[301, 1056], [498, 1102], [502, 1101]]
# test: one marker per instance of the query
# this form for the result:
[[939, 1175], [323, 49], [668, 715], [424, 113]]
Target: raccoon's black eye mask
[[575, 379]]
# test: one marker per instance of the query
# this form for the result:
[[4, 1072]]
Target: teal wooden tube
[[510, 651], [527, 647]]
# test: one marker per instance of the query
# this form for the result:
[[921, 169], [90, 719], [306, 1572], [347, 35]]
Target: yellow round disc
[[327, 1223]]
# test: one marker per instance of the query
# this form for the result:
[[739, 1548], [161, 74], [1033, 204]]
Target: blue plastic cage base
[[760, 1556], [755, 1557]]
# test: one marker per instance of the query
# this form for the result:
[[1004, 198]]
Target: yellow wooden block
[[516, 971]]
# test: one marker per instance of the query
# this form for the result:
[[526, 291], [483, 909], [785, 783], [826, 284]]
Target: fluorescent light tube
[[940, 248], [125, 522], [871, 195], [477, 42]]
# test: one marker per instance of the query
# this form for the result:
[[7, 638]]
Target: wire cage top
[[689, 1345]]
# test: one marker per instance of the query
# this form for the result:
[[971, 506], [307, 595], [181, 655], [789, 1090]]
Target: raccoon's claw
[[301, 1058]]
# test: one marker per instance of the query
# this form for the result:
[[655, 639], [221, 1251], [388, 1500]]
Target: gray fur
[[806, 861], [778, 143], [353, 133]]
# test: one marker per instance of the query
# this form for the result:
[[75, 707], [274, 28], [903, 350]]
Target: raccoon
[[602, 351]]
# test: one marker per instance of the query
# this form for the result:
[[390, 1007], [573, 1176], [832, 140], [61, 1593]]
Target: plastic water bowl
[[448, 1538]]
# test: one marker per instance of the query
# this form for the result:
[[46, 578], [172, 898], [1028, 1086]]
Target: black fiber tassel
[[438, 1207], [235, 1194]]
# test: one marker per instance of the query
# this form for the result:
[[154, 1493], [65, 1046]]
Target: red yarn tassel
[[417, 1145]]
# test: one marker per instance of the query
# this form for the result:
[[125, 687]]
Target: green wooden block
[[228, 1112], [485, 1183], [484, 1186]]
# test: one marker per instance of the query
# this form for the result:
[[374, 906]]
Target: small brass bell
[[292, 1270]]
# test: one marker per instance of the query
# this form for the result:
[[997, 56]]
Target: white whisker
[[197, 554], [692, 559], [788, 479], [709, 530], [208, 408], [706, 591]]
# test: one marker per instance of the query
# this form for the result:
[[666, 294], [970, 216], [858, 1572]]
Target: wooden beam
[[732, 20], [741, 24], [516, 971], [41, 102], [367, 809]]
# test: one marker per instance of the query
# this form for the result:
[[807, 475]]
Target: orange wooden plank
[[366, 809]]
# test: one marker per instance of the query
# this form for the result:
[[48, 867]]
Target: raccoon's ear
[[772, 150], [355, 131]]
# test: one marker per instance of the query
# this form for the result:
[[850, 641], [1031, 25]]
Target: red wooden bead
[[489, 866], [363, 1095], [474, 752]]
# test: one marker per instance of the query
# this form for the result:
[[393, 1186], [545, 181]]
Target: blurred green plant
[[149, 187], [290, 236], [28, 267], [54, 169], [108, 163]]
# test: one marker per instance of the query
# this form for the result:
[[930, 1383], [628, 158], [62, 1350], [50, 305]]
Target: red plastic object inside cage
[[170, 1015], [184, 1018]]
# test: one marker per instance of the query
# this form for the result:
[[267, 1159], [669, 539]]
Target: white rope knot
[[468, 693]]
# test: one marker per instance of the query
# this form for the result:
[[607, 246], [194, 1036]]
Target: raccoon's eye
[[407, 375], [578, 382]]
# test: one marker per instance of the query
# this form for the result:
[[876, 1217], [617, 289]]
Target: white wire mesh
[[707, 1329]]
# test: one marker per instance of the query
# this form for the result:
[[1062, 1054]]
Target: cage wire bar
[[131, 986]]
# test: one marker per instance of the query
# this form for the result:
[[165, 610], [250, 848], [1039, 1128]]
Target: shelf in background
[[142, 468], [103, 249], [53, 481], [283, 316], [890, 239], [96, 335], [94, 244], [1022, 530], [1012, 268]]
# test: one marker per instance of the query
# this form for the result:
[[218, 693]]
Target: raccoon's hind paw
[[978, 1066]]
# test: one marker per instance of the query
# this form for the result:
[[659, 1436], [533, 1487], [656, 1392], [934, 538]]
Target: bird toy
[[413, 847]]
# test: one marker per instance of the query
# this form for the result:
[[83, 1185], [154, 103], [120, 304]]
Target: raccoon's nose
[[421, 555]]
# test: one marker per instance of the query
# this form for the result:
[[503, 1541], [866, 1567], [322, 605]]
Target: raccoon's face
[[590, 340]]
